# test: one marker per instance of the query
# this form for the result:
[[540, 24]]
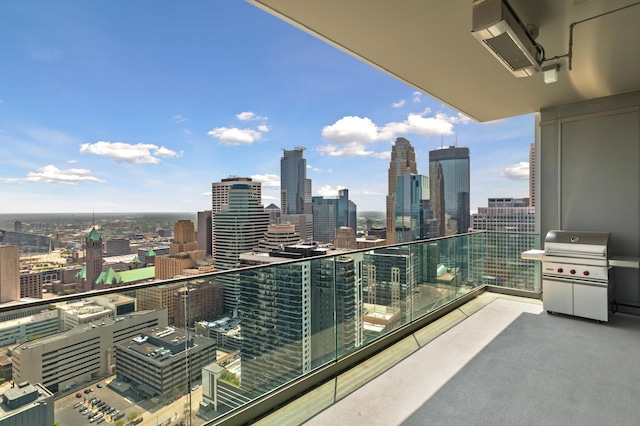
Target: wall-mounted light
[[550, 73]]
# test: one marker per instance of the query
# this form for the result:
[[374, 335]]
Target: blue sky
[[126, 106]]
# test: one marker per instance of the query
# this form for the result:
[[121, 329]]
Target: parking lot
[[94, 399], [68, 409]]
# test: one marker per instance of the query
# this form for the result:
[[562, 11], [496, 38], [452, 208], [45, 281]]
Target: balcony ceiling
[[428, 45]]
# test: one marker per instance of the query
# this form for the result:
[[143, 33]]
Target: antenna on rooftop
[[94, 218], [441, 141]]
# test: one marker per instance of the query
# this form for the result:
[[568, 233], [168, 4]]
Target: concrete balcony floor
[[495, 360]]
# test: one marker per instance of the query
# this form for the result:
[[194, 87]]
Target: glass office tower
[[453, 161]]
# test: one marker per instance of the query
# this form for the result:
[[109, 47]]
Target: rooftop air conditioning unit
[[498, 28]]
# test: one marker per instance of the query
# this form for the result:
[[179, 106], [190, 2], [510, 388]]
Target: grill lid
[[577, 243]]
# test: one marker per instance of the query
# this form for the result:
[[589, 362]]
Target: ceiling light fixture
[[550, 73]]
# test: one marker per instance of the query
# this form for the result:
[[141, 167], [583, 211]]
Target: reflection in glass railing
[[170, 352]]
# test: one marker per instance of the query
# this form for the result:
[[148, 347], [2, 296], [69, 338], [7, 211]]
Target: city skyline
[[111, 112]]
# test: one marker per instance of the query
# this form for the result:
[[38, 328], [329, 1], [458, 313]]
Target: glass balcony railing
[[171, 352]]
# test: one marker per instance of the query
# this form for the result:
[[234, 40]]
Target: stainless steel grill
[[575, 273]]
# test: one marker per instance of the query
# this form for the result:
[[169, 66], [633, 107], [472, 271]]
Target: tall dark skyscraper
[[295, 188], [403, 160], [295, 192], [452, 163]]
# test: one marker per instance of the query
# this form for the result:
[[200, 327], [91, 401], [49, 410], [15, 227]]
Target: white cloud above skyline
[[351, 136], [234, 136], [329, 191], [518, 171], [129, 153], [267, 180], [52, 174]]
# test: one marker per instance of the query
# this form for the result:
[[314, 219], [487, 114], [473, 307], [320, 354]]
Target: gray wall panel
[[590, 176]]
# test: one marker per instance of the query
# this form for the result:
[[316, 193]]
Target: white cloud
[[398, 104], [264, 128], [328, 191], [417, 97], [233, 136], [268, 197], [179, 118], [329, 170], [351, 136], [206, 194], [460, 118], [518, 171], [72, 161], [124, 152], [248, 115], [52, 174], [268, 180]]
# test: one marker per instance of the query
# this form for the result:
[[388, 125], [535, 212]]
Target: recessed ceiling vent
[[498, 28]]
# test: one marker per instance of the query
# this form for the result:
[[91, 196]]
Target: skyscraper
[[331, 214], [238, 227], [295, 192], [220, 197], [414, 217], [294, 197], [454, 163], [9, 273], [403, 160]]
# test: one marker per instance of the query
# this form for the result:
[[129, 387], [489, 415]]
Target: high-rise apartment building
[[220, 198], [297, 316], [403, 160], [238, 227], [452, 165], [295, 192], [9, 273]]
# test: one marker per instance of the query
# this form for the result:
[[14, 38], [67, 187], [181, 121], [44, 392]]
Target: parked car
[[87, 391], [99, 385], [79, 395]]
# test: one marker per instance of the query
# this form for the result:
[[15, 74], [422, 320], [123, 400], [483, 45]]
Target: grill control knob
[[586, 273], [573, 271], [560, 270]]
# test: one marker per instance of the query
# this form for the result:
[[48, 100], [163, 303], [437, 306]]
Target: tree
[[132, 415], [119, 423]]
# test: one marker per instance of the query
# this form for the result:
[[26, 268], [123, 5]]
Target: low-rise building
[[26, 405], [156, 363], [83, 353]]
